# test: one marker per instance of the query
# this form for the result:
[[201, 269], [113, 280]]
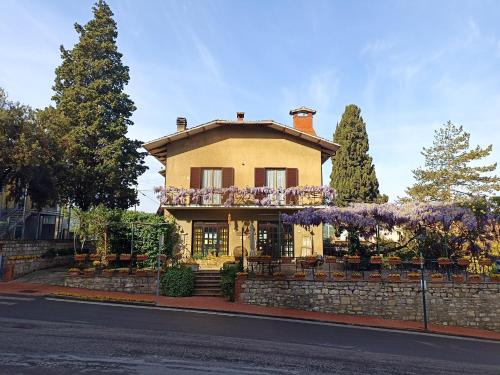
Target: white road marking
[[263, 317], [16, 298], [7, 303]]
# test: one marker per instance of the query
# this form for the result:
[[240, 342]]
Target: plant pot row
[[110, 257]]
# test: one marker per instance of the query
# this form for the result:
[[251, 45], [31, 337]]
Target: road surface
[[44, 336]]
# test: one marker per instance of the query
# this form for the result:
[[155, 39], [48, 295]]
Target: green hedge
[[228, 280], [177, 282]]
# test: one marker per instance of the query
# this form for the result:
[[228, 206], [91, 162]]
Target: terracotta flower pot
[[394, 261], [474, 279], [463, 262], [375, 277], [331, 259], [376, 260], [125, 257], [89, 273], [415, 261], [393, 278], [353, 260], [437, 278], [320, 277], [141, 273], [299, 276], [484, 262], [80, 257], [458, 278], [141, 257], [94, 257], [111, 257], [444, 261]]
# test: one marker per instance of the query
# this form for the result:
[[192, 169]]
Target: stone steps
[[207, 283]]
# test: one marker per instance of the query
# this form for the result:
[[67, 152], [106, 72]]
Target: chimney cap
[[302, 110], [240, 115]]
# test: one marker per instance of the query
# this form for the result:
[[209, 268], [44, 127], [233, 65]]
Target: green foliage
[[101, 164], [29, 154], [228, 280], [353, 173], [111, 230], [448, 174], [177, 282]]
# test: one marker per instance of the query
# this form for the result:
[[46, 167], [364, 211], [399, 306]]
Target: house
[[20, 220], [227, 182]]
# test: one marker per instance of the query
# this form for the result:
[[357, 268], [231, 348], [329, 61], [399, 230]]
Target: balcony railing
[[245, 197]]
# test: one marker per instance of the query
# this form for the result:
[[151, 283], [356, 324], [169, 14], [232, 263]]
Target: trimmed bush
[[177, 282], [228, 280]]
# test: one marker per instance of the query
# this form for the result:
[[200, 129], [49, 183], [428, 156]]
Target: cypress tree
[[102, 164], [353, 173]]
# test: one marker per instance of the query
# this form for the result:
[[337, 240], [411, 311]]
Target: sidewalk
[[221, 305]]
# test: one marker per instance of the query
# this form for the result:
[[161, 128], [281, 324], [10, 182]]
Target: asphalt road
[[41, 336]]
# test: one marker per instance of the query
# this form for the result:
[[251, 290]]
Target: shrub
[[177, 282], [228, 280]]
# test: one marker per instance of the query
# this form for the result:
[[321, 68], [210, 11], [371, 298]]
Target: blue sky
[[409, 65]]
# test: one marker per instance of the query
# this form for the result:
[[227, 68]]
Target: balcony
[[294, 197]]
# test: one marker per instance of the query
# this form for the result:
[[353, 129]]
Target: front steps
[[207, 283]]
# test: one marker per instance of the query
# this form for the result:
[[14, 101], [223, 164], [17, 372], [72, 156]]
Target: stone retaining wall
[[9, 248], [466, 305], [118, 283], [20, 257]]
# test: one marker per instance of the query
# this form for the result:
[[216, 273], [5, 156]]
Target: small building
[[227, 182]]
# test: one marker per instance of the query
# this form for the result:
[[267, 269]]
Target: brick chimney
[[240, 116], [181, 124], [303, 119]]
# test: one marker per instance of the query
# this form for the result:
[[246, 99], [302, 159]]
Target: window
[[268, 239], [212, 178], [210, 238], [276, 179]]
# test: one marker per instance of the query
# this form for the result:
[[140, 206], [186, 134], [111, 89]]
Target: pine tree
[[447, 174], [353, 173], [102, 163]]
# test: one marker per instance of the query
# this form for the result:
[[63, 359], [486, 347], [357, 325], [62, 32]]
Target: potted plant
[[393, 277], [320, 276], [141, 272], [413, 276], [374, 277], [108, 272], [495, 278], [286, 260], [279, 276], [474, 278], [376, 259], [394, 260], [89, 272], [123, 271], [338, 276], [125, 257], [95, 257], [458, 278], [74, 272], [80, 257], [416, 261], [484, 262], [356, 276], [463, 262], [442, 261], [330, 259], [111, 257], [353, 259], [141, 257], [299, 276], [437, 277]]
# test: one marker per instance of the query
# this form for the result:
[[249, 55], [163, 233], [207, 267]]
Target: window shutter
[[260, 177], [292, 180], [227, 177], [195, 178]]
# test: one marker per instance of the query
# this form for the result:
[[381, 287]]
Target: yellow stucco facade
[[242, 147]]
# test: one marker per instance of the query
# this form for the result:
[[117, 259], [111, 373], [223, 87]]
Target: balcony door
[[268, 239], [212, 178], [276, 179], [210, 238]]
